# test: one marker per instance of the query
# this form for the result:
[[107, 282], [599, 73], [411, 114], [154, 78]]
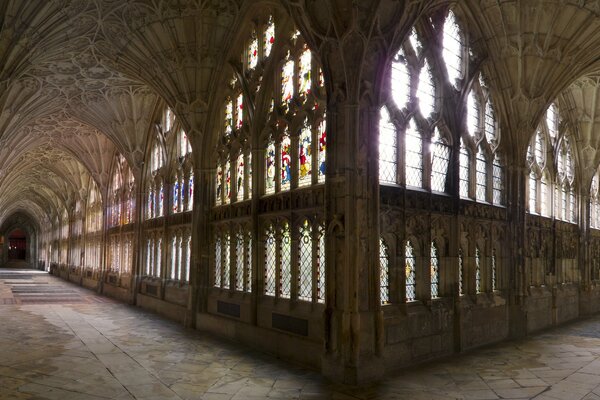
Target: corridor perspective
[[59, 341], [358, 187]]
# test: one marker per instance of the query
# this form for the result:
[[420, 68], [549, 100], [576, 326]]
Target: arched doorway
[[17, 245]]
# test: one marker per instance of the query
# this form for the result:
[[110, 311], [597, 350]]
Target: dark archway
[[17, 245], [18, 241]]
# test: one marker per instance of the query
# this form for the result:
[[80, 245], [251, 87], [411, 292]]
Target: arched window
[[452, 50], [410, 271], [93, 228], [121, 212], [565, 181], [181, 172], [154, 177], [384, 272], [537, 166], [274, 99], [482, 138], [552, 169]]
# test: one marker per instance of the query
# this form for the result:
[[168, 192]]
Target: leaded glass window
[[435, 271], [305, 287], [270, 262], [384, 272], [285, 266], [410, 272], [452, 49], [464, 171], [478, 287], [321, 266], [387, 148], [414, 156], [440, 161]]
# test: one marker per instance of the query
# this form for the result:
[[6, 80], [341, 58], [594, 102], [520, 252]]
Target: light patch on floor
[[96, 348]]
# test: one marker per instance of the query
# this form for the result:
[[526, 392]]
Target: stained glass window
[[228, 116], [252, 52], [387, 148], [435, 271], [269, 37], [270, 262], [227, 182], [286, 163], [161, 200], [305, 155], [287, 81], [411, 262], [384, 273], [322, 135], [270, 168], [190, 202], [306, 262], [239, 117], [176, 194], [240, 177], [285, 271], [304, 72]]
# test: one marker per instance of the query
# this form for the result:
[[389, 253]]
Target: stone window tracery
[[289, 151], [552, 169], [481, 140]]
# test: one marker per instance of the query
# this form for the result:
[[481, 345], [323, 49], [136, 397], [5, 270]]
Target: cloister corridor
[[60, 341]]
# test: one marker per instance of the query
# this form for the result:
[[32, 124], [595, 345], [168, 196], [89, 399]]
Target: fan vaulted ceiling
[[80, 80]]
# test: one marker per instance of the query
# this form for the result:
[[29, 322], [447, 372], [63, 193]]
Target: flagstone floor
[[59, 341]]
